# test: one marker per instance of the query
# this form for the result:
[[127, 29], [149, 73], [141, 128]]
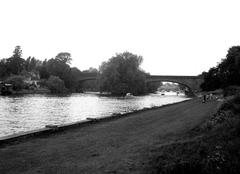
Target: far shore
[[116, 146]]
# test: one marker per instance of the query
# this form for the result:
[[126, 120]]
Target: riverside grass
[[212, 147]]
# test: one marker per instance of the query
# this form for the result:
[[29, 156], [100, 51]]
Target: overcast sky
[[175, 37]]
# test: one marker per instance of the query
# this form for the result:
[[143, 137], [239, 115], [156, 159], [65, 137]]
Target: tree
[[55, 84], [44, 74], [3, 68], [231, 66], [122, 74], [211, 80], [64, 57], [59, 67], [226, 73], [17, 53], [15, 64], [31, 63]]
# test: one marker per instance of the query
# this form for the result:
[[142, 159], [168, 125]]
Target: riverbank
[[211, 147], [117, 146]]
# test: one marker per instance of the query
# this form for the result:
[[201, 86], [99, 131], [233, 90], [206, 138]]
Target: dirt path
[[117, 146]]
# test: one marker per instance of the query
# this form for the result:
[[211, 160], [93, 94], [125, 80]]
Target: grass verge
[[212, 147]]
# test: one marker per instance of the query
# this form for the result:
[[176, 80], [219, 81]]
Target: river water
[[29, 112]]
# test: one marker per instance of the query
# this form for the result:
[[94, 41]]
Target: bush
[[232, 104], [231, 90], [122, 74], [17, 81], [56, 85]]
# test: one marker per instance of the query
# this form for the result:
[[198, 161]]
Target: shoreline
[[51, 129]]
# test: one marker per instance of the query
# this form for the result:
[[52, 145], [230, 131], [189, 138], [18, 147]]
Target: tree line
[[225, 74], [121, 74], [55, 73]]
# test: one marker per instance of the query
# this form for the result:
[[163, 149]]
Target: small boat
[[129, 95], [51, 126], [6, 89], [92, 119]]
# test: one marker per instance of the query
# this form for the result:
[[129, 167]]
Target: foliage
[[32, 64], [153, 86], [226, 73], [58, 66], [231, 91], [17, 81], [56, 85], [232, 104], [43, 72], [3, 68], [17, 53], [212, 147], [15, 64], [64, 57], [122, 74]]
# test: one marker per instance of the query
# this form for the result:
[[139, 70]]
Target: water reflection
[[28, 112]]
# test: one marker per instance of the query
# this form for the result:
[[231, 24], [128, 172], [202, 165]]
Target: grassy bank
[[212, 147], [118, 146]]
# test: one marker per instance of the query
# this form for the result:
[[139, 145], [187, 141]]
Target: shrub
[[17, 81], [56, 85], [231, 90], [232, 104]]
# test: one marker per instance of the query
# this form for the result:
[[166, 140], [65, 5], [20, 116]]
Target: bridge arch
[[188, 90], [191, 82]]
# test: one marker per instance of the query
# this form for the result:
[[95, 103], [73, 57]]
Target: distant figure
[[129, 95], [211, 96], [204, 98]]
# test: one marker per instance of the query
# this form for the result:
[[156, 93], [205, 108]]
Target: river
[[29, 112]]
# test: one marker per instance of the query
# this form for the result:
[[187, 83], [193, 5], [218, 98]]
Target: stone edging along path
[[51, 129]]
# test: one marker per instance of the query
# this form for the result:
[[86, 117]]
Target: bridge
[[191, 82]]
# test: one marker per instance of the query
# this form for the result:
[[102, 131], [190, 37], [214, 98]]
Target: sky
[[174, 37]]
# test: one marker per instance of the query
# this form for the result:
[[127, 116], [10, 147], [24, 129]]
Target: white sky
[[175, 37]]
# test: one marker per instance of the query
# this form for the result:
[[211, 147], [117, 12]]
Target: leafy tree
[[3, 68], [15, 64], [211, 80], [59, 67], [64, 57], [231, 66], [17, 53], [71, 79], [122, 74], [44, 74], [31, 64], [56, 85], [226, 73]]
